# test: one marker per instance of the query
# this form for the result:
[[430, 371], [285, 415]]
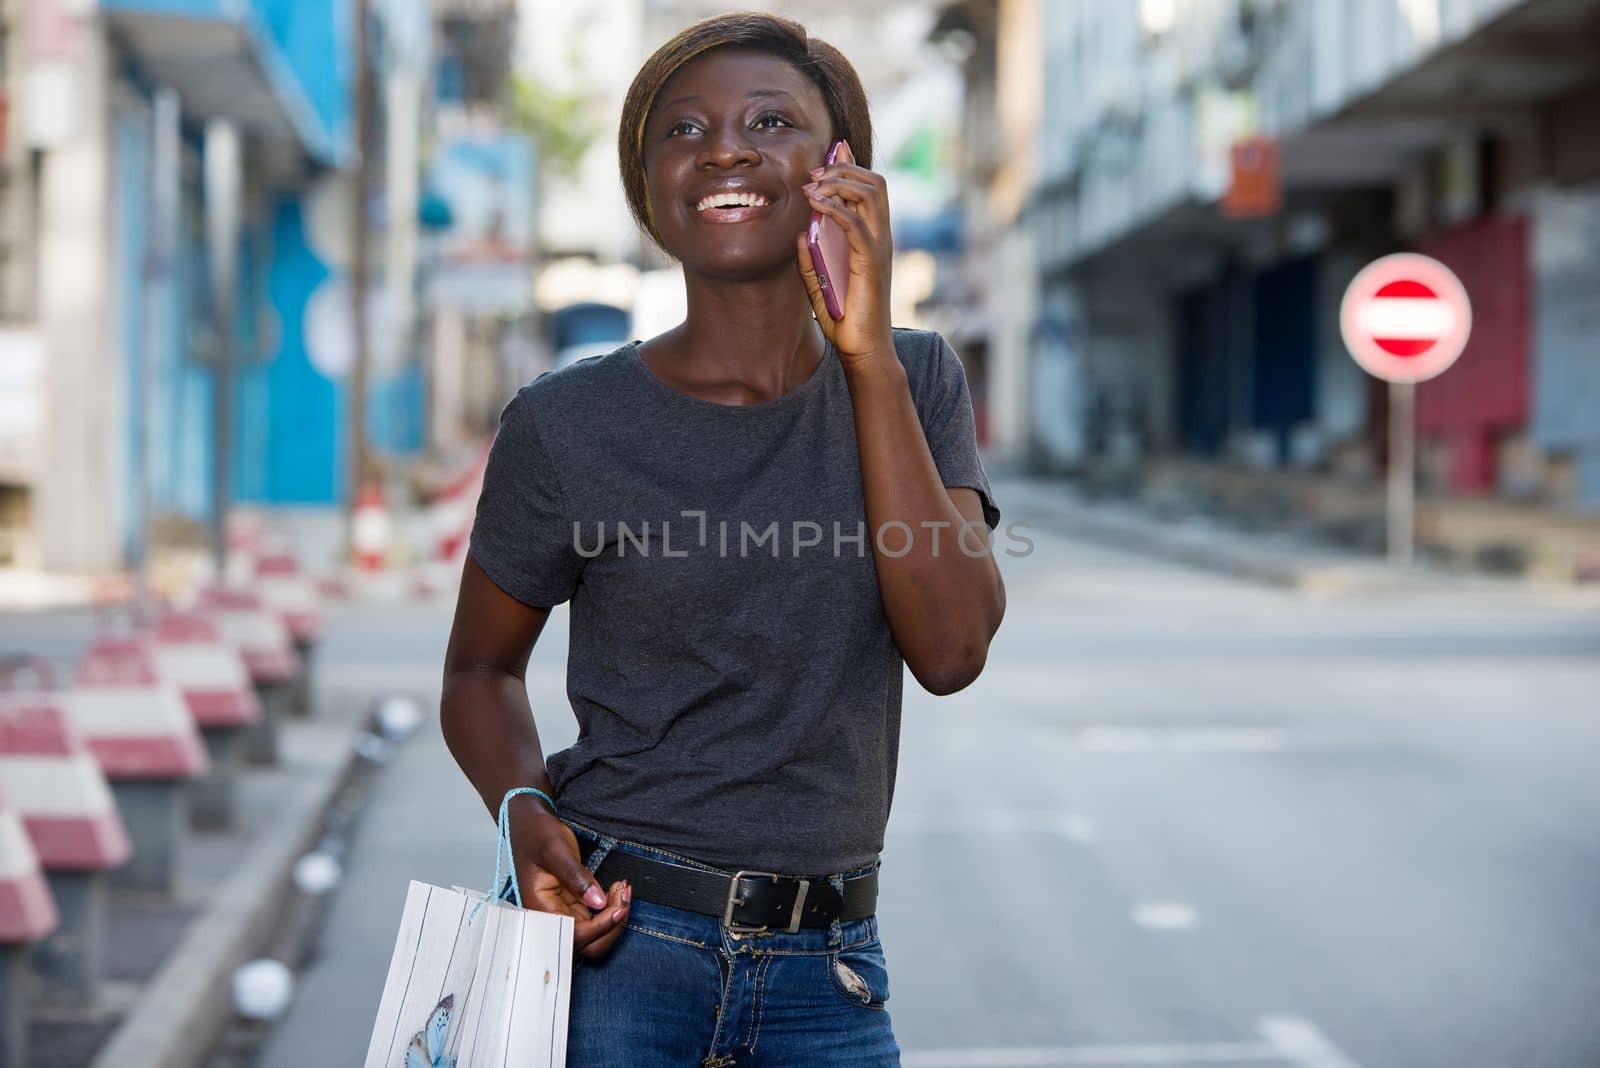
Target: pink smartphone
[[830, 254]]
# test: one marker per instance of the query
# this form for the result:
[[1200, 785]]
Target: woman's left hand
[[858, 201]]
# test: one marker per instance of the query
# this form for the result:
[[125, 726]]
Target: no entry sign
[[1405, 318]]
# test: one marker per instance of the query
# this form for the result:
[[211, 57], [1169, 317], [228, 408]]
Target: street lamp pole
[[224, 174], [359, 459]]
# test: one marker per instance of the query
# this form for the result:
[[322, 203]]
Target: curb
[[1263, 561], [188, 1004]]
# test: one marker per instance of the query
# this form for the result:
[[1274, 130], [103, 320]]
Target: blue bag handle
[[502, 849]]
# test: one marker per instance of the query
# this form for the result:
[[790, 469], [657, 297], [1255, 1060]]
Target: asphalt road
[[1180, 820]]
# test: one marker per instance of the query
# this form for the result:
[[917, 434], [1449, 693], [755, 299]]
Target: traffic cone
[[371, 530]]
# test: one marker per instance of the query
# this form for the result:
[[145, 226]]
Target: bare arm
[[489, 729], [943, 608]]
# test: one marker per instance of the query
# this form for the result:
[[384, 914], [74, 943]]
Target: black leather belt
[[747, 902]]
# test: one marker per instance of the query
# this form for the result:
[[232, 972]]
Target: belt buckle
[[733, 903]]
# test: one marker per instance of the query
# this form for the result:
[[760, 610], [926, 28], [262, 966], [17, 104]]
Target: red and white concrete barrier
[[58, 787], [141, 732], [192, 655], [246, 531], [246, 541], [244, 621], [291, 593], [448, 530], [27, 915], [75, 828], [27, 911], [136, 726], [270, 658], [451, 514]]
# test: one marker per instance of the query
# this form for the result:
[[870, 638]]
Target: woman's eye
[[773, 115], [682, 124]]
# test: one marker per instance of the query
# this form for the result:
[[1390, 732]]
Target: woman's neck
[[760, 334]]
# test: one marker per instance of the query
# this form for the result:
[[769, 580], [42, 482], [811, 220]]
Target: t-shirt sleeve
[[522, 535], [946, 410]]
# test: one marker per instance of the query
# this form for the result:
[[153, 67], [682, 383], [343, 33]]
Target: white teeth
[[731, 200]]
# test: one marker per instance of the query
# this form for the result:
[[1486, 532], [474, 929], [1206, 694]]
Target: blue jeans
[[679, 989]]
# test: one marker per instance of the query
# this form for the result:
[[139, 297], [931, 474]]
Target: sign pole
[[1402, 471], [1406, 319]]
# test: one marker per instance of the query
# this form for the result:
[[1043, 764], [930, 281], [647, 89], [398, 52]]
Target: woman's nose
[[729, 145]]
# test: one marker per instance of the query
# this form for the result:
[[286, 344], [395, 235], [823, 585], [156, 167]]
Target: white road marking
[[1115, 739], [1300, 1041], [1164, 915], [1055, 1056]]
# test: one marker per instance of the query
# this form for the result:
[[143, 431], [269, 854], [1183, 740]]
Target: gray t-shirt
[[736, 684]]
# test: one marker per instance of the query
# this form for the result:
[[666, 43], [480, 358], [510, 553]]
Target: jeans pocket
[[860, 975]]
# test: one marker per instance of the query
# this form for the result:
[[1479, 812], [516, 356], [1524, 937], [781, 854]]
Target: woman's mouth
[[730, 207]]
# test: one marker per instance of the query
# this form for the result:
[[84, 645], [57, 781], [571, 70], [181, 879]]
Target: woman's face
[[737, 123]]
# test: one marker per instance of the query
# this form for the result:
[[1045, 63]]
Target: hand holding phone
[[830, 254]]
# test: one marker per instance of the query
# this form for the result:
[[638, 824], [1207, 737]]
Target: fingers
[[865, 187], [553, 898], [558, 854], [593, 933], [808, 275], [541, 843], [594, 937], [855, 188], [846, 164], [865, 199], [861, 240], [563, 880], [580, 881], [555, 881]]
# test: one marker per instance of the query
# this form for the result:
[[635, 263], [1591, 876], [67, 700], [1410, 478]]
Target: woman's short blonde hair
[[755, 31]]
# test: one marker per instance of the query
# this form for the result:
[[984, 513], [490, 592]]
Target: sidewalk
[[1274, 559], [176, 960], [167, 993]]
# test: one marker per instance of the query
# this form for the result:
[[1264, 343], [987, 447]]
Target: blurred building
[[1186, 292], [990, 292], [146, 149], [301, 451], [1207, 326], [477, 290], [583, 55], [168, 168]]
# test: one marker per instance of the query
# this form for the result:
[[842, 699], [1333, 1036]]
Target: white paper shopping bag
[[474, 983]]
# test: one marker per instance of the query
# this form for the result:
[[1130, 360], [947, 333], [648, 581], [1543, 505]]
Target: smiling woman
[[780, 512], [816, 82]]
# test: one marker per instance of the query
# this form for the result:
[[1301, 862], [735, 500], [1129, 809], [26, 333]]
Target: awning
[[1536, 52], [223, 62]]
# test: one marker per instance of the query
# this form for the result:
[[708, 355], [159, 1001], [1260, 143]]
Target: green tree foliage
[[559, 122]]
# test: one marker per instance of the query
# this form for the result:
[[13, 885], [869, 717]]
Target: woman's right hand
[[552, 878]]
